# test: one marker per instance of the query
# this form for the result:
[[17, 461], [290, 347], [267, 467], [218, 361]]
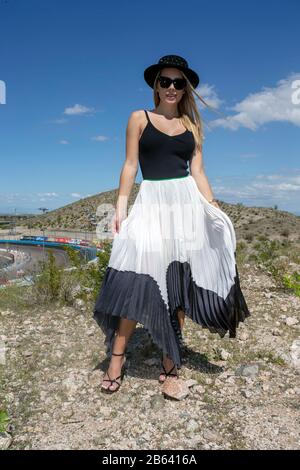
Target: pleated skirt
[[174, 251]]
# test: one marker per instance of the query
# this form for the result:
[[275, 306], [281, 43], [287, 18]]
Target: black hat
[[170, 61]]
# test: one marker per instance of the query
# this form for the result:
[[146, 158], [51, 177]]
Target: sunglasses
[[165, 82]]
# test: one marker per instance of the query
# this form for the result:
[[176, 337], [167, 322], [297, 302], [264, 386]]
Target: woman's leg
[[181, 317], [124, 332], [167, 362]]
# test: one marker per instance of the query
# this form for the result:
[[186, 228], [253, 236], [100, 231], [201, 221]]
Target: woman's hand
[[214, 203], [117, 220]]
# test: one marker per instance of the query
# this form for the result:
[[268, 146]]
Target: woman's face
[[170, 95]]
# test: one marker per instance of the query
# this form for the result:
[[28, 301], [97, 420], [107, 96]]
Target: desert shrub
[[285, 232], [292, 281], [249, 236], [274, 257], [47, 280]]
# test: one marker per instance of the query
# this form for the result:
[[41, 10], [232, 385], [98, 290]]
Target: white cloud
[[78, 109], [48, 194], [209, 95], [75, 195], [100, 138], [64, 142], [278, 182], [262, 190], [269, 105]]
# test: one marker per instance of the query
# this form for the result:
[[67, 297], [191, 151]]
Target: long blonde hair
[[188, 110]]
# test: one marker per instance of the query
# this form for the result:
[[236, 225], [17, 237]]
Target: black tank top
[[163, 156]]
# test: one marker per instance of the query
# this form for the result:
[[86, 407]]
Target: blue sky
[[73, 72]]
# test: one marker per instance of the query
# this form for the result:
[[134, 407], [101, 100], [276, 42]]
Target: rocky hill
[[249, 222]]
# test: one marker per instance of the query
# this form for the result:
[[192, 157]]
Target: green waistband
[[162, 179]]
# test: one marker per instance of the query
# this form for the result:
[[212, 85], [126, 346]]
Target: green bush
[[292, 281], [47, 281], [269, 254], [3, 420]]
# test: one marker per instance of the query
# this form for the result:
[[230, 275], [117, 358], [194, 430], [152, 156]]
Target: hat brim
[[151, 72]]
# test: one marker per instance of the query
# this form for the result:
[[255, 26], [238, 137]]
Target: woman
[[174, 254]]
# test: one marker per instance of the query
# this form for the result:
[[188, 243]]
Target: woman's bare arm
[[130, 167], [198, 173]]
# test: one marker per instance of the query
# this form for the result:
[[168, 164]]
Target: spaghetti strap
[[147, 115]]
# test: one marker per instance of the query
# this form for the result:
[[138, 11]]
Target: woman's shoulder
[[136, 121], [137, 114], [137, 118]]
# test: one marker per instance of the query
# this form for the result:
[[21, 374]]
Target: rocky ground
[[243, 393]]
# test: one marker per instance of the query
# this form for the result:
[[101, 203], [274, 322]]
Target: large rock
[[5, 440], [175, 388]]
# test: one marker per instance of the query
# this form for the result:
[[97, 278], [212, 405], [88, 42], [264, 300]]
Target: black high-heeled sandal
[[167, 374], [121, 376]]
